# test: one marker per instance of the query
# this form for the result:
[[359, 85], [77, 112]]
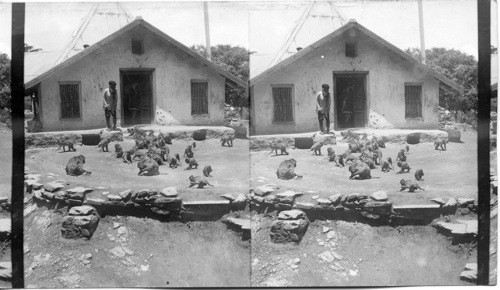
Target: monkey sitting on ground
[[156, 157], [286, 170], [349, 134], [127, 155], [207, 170], [317, 147], [191, 162], [275, 146], [164, 152], [360, 170], [104, 144], [407, 147], [175, 161], [75, 166], [198, 180], [193, 145], [401, 155], [387, 165], [227, 138], [118, 150], [411, 185], [418, 174], [139, 154], [377, 156], [188, 152], [405, 168], [369, 162], [147, 166], [350, 158], [331, 154], [381, 143], [440, 144]]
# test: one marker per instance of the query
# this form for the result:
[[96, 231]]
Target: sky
[[449, 24], [50, 25], [261, 26]]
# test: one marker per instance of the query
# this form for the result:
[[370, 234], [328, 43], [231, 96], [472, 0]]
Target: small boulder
[[264, 189], [293, 214], [465, 201], [82, 210], [114, 197], [379, 196], [439, 201], [80, 189], [169, 192], [125, 195], [324, 201], [451, 202], [283, 231], [289, 194], [53, 186], [303, 205], [336, 199]]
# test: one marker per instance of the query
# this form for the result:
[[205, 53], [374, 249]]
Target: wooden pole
[[207, 31], [422, 37]]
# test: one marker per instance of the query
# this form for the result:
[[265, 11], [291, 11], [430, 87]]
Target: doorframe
[[151, 72], [337, 74]]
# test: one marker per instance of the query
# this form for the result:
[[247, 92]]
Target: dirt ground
[[229, 164], [447, 173], [174, 254], [366, 256]]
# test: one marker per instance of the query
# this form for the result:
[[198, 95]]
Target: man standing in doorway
[[323, 108], [109, 104]]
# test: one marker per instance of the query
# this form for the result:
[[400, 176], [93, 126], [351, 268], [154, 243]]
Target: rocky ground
[[339, 253], [112, 175], [5, 190], [134, 252], [450, 173]]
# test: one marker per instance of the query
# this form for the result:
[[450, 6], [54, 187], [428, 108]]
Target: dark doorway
[[350, 100], [137, 96]]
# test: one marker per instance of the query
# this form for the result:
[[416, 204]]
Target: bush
[[468, 117], [6, 117]]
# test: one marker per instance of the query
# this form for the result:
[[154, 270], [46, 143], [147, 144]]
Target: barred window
[[413, 101], [199, 97], [283, 104], [70, 100]]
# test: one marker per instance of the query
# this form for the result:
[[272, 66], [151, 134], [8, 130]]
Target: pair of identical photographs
[[312, 144]]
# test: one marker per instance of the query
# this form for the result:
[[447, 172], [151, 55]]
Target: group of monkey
[[150, 150], [360, 167]]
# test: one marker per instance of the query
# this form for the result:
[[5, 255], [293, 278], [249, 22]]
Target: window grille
[[70, 101], [413, 101], [283, 104], [199, 97]]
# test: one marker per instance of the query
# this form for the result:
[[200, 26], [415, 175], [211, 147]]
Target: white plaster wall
[[387, 74], [173, 72]]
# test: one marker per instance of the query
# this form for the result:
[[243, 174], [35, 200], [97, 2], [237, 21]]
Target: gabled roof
[[446, 82], [137, 22]]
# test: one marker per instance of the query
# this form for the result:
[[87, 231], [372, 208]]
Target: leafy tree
[[457, 66], [235, 59], [29, 48], [5, 98]]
